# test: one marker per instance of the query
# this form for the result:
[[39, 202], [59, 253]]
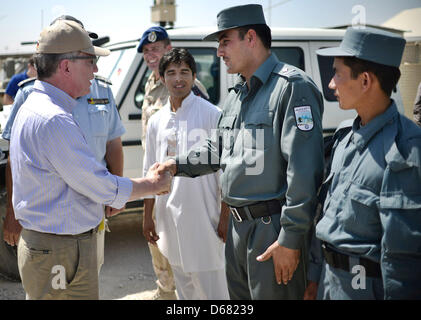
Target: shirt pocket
[[360, 213], [258, 131], [98, 117], [226, 126]]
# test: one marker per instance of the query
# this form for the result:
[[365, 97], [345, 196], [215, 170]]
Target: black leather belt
[[93, 230], [257, 210], [341, 261]]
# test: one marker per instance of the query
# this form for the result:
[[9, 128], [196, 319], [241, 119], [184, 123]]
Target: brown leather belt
[[257, 210]]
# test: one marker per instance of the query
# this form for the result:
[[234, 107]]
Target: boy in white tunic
[[189, 221]]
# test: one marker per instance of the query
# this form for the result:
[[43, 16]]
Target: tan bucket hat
[[66, 36]]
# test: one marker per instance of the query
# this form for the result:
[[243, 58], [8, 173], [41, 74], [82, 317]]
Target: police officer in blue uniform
[[269, 145], [371, 224]]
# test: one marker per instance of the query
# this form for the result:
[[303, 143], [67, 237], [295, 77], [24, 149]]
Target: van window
[[140, 92], [207, 67], [115, 66], [326, 74], [291, 55]]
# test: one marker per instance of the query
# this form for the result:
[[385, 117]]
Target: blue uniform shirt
[[20, 98], [98, 118], [270, 146], [373, 206]]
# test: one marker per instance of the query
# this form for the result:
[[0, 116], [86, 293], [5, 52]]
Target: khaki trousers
[[58, 266]]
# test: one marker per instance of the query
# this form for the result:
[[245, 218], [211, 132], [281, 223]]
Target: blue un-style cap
[[151, 35], [369, 44]]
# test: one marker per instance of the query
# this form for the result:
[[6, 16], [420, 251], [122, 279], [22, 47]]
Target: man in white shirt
[[189, 219], [59, 186]]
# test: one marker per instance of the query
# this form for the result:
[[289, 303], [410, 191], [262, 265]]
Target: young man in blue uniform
[[371, 224]]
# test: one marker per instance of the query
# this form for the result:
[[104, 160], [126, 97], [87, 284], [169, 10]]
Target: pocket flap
[[363, 195], [400, 201]]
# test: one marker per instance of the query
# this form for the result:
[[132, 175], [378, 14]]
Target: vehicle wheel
[[8, 254]]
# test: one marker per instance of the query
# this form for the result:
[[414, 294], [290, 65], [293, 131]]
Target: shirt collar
[[262, 73], [266, 68], [153, 81], [185, 104], [62, 99], [362, 135]]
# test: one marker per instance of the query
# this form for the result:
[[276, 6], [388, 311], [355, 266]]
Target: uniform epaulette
[[287, 71], [26, 81], [105, 80]]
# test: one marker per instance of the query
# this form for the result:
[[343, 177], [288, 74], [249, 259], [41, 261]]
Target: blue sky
[[22, 20]]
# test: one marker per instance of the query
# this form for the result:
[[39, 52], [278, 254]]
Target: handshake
[[160, 176]]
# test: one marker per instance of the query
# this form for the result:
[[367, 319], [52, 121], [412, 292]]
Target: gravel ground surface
[[127, 272]]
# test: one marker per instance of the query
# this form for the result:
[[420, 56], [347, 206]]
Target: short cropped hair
[[388, 76], [177, 56], [47, 63], [262, 31]]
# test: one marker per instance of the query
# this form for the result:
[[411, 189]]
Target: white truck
[[128, 72]]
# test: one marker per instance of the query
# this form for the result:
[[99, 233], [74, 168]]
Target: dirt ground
[[127, 272]]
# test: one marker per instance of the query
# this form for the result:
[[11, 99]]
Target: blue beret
[[151, 35]]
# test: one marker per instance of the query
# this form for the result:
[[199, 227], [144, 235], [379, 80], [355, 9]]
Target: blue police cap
[[151, 35], [369, 44], [238, 16]]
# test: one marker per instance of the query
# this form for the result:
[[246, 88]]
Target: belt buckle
[[235, 214]]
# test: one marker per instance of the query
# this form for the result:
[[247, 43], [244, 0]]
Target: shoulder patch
[[26, 81], [304, 118], [105, 80]]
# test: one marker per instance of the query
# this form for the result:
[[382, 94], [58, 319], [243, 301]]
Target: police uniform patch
[[98, 101], [304, 118], [152, 36]]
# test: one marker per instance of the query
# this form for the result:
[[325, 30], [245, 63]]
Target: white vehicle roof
[[198, 33], [278, 34]]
